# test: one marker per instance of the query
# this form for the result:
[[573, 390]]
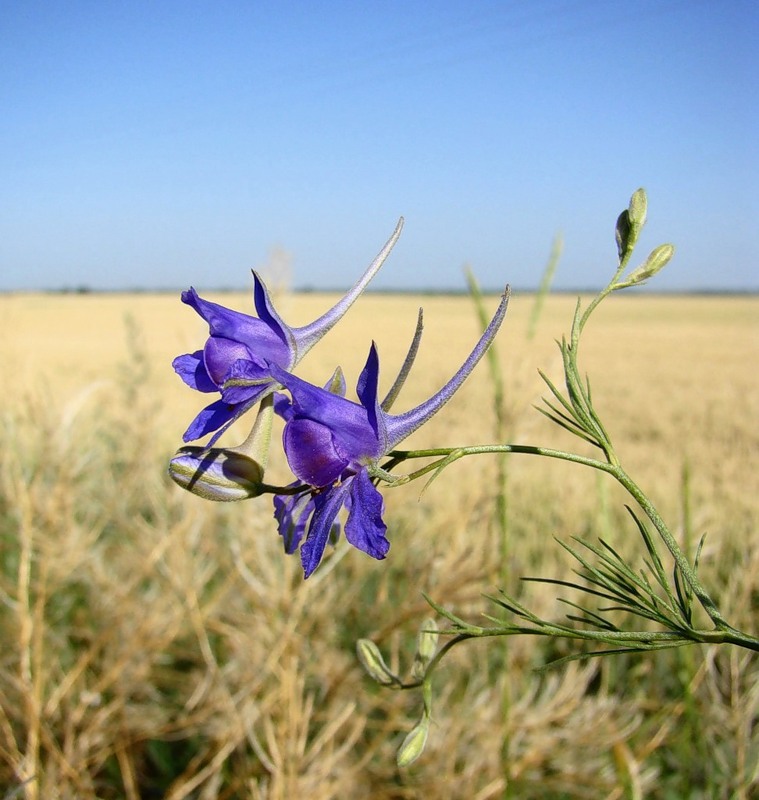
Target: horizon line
[[641, 290]]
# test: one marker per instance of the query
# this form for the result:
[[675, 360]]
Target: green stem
[[679, 557], [656, 639], [580, 322], [724, 631], [436, 660], [450, 454]]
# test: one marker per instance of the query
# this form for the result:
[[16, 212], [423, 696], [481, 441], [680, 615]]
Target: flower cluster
[[333, 445]]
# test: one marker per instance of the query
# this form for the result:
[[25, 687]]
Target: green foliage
[[660, 604]]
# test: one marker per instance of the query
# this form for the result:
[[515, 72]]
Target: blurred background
[[156, 645], [154, 145]]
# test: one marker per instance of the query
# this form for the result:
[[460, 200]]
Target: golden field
[[155, 645]]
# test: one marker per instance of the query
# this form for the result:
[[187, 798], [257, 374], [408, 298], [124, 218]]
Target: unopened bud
[[413, 745], [426, 646], [657, 260], [630, 222], [216, 474], [638, 208], [226, 474], [375, 666]]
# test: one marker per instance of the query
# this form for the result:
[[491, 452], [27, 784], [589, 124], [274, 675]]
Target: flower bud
[[630, 222], [225, 474], [217, 473], [426, 645], [657, 260], [413, 745], [638, 208], [372, 661]]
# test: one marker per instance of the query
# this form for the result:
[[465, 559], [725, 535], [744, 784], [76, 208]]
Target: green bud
[[657, 260], [426, 646], [638, 208], [375, 666], [413, 745], [216, 474], [630, 222]]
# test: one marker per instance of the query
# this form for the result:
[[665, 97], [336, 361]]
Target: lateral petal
[[364, 527], [192, 370], [211, 418]]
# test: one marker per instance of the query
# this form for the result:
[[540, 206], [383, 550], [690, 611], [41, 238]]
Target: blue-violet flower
[[236, 358], [334, 446]]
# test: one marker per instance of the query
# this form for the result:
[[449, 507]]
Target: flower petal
[[268, 314], [292, 513], [327, 507], [283, 406], [211, 418], [347, 420], [312, 453], [364, 527], [256, 334], [366, 389], [220, 353], [192, 370], [243, 380]]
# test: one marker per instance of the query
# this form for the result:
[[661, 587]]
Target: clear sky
[[163, 144]]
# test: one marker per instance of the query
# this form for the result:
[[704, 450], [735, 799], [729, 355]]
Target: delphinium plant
[[342, 452]]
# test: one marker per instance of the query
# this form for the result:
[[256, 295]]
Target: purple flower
[[334, 446], [240, 350]]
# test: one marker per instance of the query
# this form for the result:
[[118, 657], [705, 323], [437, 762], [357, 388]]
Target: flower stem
[[680, 559], [724, 632], [450, 454]]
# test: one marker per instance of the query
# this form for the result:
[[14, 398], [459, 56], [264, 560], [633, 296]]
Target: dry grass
[[157, 646]]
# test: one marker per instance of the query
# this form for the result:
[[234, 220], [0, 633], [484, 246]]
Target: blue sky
[[158, 145]]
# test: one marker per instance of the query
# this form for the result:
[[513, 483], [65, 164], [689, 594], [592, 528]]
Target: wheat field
[[155, 645]]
